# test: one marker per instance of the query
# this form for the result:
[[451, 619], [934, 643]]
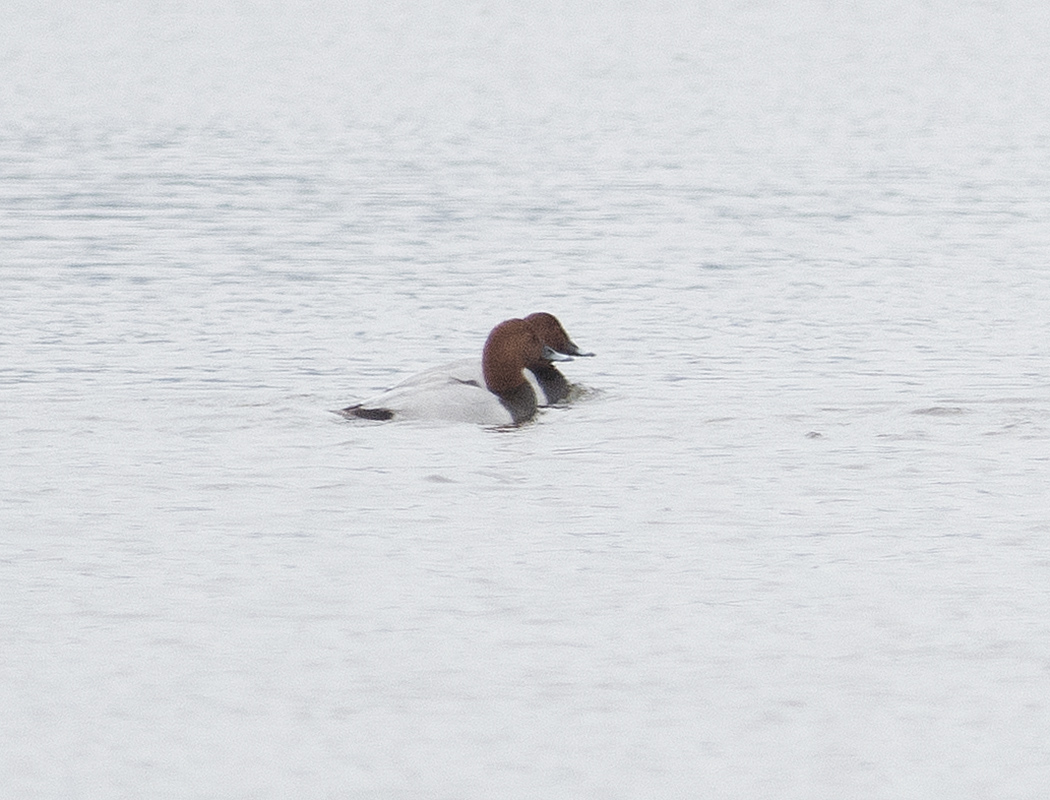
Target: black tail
[[366, 413]]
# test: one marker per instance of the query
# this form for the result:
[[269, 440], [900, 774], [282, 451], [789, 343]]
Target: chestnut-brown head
[[552, 334], [512, 346]]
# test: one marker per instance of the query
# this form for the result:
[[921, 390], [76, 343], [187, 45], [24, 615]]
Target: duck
[[503, 397], [550, 385]]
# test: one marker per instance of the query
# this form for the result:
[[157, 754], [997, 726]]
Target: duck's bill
[[550, 354], [575, 351]]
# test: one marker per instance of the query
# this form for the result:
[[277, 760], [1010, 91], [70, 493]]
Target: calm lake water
[[794, 542]]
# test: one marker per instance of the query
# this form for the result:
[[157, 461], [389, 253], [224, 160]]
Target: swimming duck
[[503, 396]]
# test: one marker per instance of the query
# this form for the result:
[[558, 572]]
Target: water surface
[[794, 541]]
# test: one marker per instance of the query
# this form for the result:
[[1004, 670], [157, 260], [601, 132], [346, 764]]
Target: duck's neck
[[553, 383]]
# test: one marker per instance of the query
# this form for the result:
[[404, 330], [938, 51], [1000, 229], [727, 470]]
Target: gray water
[[794, 541]]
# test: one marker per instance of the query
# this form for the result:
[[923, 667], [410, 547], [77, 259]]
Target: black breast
[[520, 402]]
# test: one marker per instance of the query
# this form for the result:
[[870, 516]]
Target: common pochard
[[551, 382], [503, 396], [547, 381]]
